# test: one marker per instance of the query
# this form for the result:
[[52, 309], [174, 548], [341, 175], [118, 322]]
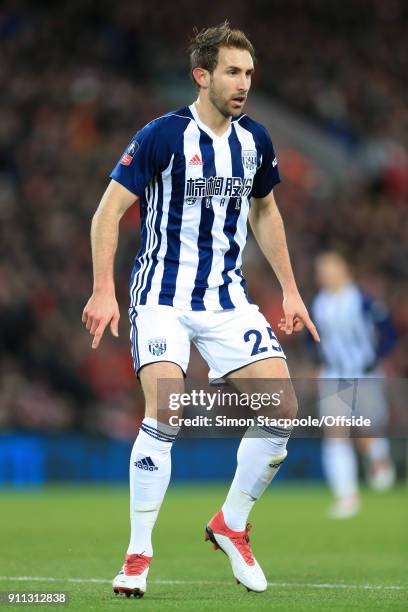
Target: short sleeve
[[267, 175], [144, 157], [378, 312]]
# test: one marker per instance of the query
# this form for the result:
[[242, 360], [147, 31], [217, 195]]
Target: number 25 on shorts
[[255, 336]]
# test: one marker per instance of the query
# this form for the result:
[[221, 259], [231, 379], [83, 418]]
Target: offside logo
[[157, 346]]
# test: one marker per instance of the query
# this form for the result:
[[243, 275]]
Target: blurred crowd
[[79, 79]]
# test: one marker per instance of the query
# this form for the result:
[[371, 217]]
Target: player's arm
[[267, 226], [102, 307]]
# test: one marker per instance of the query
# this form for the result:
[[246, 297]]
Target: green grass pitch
[[312, 563]]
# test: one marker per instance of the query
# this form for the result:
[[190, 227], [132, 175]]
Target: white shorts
[[364, 396], [227, 339]]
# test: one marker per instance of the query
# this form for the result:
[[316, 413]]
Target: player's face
[[231, 80], [331, 272]]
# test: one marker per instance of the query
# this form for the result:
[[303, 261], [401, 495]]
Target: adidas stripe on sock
[[146, 464]]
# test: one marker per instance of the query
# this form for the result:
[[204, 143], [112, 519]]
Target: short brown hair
[[204, 46]]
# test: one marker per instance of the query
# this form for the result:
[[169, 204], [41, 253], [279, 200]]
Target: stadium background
[[76, 83], [77, 79]]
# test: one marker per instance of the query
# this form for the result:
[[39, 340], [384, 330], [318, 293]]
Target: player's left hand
[[296, 316]]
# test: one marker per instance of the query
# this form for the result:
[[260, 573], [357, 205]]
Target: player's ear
[[201, 77]]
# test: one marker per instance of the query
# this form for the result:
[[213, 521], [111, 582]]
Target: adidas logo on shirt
[[146, 464], [195, 161]]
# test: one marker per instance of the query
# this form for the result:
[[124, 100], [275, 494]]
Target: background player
[[356, 333], [194, 172]]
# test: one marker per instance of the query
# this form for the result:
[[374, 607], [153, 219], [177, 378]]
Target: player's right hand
[[101, 309]]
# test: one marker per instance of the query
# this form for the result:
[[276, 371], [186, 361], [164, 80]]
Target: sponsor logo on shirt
[[231, 186]]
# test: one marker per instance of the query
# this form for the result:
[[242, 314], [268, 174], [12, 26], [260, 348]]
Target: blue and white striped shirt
[[194, 189], [355, 331]]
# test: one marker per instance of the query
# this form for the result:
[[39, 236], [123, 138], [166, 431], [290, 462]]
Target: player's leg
[[338, 453], [156, 335], [340, 469], [372, 403], [149, 476], [242, 347], [260, 454], [262, 450], [379, 464], [150, 460]]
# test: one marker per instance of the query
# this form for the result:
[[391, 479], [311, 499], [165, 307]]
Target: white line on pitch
[[307, 585]]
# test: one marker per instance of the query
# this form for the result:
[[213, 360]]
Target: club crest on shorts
[[157, 346], [249, 159]]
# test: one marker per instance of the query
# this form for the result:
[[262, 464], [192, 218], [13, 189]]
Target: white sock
[[378, 449], [340, 466], [256, 469], [149, 476]]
